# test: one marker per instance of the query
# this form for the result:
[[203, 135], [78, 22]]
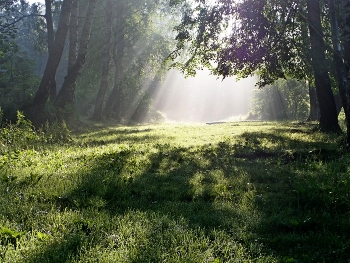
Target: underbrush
[[21, 141], [234, 192], [22, 134]]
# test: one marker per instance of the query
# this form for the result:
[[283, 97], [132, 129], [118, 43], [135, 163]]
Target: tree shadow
[[59, 251], [112, 136], [242, 188]]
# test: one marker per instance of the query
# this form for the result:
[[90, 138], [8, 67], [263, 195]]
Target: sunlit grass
[[229, 192]]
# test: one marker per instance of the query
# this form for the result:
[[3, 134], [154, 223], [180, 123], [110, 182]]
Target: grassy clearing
[[234, 192]]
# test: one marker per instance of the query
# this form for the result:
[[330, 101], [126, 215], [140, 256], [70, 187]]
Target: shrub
[[23, 134]]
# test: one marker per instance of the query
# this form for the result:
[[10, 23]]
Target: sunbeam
[[203, 98]]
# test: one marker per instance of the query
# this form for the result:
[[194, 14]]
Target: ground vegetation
[[234, 192]]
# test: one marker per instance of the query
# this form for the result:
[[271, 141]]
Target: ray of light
[[203, 98]]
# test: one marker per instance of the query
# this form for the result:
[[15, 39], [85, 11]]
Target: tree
[[337, 55], [66, 95], [7, 22], [106, 59], [118, 55], [283, 100], [137, 52], [328, 111], [262, 37], [73, 34], [17, 77], [345, 35], [50, 44], [314, 114], [17, 82], [35, 111]]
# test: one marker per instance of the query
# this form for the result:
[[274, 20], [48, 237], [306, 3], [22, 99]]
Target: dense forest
[[63, 59]]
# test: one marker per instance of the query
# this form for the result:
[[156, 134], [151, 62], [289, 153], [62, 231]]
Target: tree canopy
[[272, 39]]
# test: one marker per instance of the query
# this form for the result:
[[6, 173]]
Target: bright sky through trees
[[203, 98]]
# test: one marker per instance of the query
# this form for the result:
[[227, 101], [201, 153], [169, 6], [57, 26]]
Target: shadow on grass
[[118, 131], [61, 250], [112, 136], [294, 204]]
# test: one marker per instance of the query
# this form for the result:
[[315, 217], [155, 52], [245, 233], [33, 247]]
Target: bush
[[22, 134], [57, 132]]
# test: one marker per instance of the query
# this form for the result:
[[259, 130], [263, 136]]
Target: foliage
[[8, 236], [17, 84], [17, 78], [31, 31], [273, 39], [19, 135], [268, 38], [285, 99], [7, 27], [23, 135], [234, 192], [57, 132], [145, 32], [23, 23]]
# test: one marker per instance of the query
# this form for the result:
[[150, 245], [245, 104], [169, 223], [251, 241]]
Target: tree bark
[[35, 112], [337, 55], [50, 42], [66, 95], [314, 108], [328, 111], [73, 35], [347, 109], [97, 115], [346, 39], [114, 99], [282, 115]]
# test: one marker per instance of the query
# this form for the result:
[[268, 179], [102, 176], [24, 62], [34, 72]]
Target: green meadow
[[226, 192]]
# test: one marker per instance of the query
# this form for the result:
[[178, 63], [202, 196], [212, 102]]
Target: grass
[[231, 192]]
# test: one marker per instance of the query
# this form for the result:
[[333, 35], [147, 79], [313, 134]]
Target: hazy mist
[[203, 98]]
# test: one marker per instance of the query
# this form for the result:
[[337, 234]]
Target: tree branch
[[7, 25]]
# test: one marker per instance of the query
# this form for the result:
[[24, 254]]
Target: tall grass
[[234, 192]]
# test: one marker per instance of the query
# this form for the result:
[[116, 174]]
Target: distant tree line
[[283, 100]]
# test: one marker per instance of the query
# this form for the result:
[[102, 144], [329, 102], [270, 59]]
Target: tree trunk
[[105, 64], [35, 112], [328, 111], [282, 115], [347, 68], [73, 35], [66, 95], [337, 54], [314, 108], [346, 37], [50, 43], [338, 103], [114, 100]]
